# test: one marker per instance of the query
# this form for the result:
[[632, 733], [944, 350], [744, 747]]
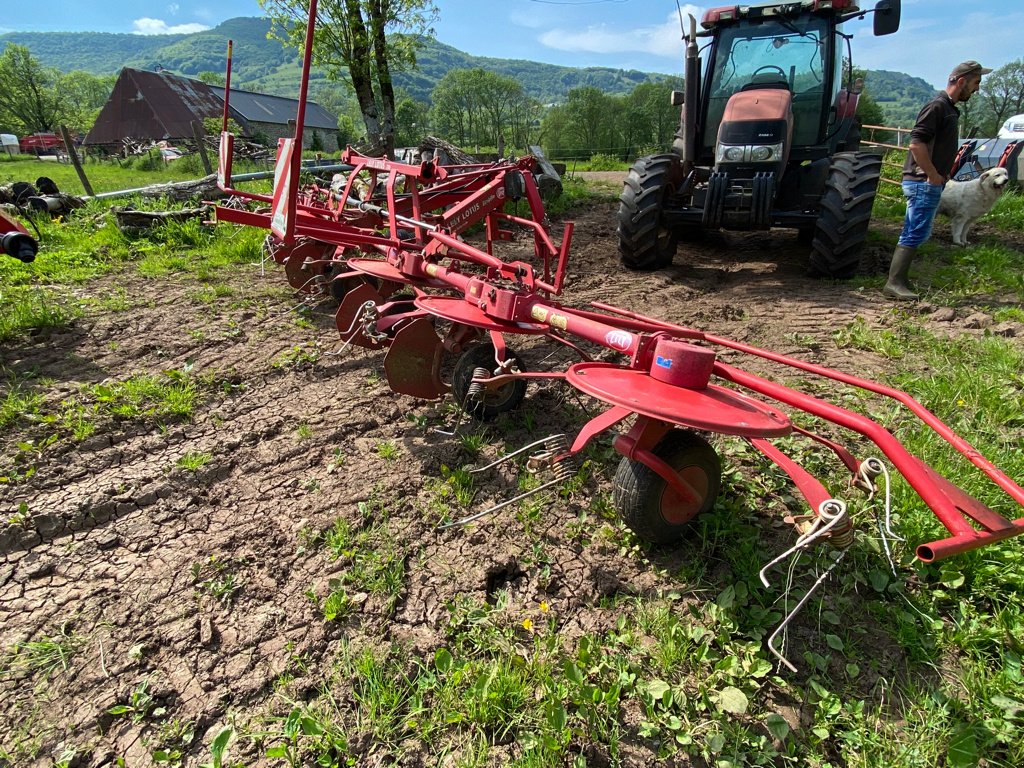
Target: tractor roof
[[728, 14]]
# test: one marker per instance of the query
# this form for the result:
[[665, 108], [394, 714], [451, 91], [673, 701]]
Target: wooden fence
[[867, 139]]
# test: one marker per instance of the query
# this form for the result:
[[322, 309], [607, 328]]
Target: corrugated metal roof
[[263, 108], [154, 106], [160, 105]]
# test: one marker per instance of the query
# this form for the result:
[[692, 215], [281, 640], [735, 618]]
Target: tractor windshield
[[781, 51]]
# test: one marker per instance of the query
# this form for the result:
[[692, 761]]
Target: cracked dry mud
[[116, 544]]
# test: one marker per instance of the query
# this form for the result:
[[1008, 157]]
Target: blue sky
[[628, 34]]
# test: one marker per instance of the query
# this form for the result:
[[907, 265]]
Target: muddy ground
[[114, 543]]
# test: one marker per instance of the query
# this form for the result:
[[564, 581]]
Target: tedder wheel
[[645, 241], [842, 226], [652, 509], [494, 401]]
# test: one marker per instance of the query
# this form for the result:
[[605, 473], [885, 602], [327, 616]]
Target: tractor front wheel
[[486, 403], [649, 506], [646, 242], [842, 227]]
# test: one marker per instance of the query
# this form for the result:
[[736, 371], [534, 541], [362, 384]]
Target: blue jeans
[[922, 203]]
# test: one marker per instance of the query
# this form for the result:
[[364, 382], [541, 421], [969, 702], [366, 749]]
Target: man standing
[[933, 147]]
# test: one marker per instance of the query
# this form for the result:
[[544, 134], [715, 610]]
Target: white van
[[9, 144], [1013, 128]]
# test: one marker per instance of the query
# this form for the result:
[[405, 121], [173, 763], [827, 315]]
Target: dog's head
[[995, 179]]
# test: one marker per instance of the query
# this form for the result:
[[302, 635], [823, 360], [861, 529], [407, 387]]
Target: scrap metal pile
[[387, 241]]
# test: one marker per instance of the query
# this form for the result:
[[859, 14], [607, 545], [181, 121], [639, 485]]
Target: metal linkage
[[556, 455], [364, 322]]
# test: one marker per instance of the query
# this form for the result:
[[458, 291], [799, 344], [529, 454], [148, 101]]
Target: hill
[[265, 65], [900, 96]]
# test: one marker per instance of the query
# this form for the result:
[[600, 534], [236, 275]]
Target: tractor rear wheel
[[649, 506], [645, 241], [842, 226]]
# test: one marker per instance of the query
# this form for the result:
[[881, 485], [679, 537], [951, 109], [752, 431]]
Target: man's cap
[[965, 68]]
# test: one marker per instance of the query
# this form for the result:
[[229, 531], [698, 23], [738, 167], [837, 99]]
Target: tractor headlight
[[761, 153], [727, 154]]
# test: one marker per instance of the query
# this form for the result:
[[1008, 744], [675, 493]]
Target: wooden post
[[197, 133], [69, 145]]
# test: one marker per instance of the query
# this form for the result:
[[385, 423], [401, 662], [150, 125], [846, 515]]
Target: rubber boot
[[898, 285]]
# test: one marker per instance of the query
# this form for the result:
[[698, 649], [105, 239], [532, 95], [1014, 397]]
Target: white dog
[[967, 201]]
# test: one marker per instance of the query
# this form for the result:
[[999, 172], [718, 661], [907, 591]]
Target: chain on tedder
[[385, 240]]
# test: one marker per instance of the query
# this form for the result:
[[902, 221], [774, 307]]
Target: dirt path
[[204, 582]]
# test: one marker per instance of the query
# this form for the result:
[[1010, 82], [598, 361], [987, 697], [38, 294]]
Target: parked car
[[41, 143], [1013, 128]]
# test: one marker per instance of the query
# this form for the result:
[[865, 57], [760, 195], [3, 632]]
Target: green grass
[[109, 176], [194, 460], [32, 309], [171, 394], [47, 655]]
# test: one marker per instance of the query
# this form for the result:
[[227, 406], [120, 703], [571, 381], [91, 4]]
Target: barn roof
[[161, 105], [263, 108], [153, 105]]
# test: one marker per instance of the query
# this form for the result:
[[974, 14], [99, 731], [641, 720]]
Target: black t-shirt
[[936, 126]]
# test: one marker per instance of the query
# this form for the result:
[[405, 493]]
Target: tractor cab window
[[781, 53]]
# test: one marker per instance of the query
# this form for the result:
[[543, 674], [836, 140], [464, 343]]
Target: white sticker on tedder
[[619, 340]]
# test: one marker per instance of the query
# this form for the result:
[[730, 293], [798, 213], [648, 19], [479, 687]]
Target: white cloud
[[173, 9], [148, 26], [658, 40]]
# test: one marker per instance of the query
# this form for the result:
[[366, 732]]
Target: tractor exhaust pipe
[[691, 97]]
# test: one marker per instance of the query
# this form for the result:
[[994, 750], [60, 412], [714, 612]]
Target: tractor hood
[[755, 120]]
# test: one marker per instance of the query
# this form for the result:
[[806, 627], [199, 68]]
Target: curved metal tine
[[803, 542], [455, 429], [543, 441], [502, 505], [351, 330], [797, 608]]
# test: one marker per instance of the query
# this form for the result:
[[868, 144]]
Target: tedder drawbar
[[385, 241]]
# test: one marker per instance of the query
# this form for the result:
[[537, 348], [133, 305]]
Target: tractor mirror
[[676, 98], [887, 17]]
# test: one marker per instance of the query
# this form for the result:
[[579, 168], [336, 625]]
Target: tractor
[[768, 137]]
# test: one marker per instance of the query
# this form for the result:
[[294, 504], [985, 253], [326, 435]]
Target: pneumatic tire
[[842, 227], [645, 241], [646, 502], [491, 402]]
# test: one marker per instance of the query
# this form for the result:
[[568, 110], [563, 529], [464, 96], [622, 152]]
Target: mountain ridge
[[260, 64]]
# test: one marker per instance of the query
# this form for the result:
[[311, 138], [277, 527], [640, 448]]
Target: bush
[[601, 162]]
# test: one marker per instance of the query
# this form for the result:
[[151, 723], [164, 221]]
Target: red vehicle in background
[[41, 143]]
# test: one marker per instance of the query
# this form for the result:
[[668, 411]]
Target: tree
[[359, 37], [473, 106], [411, 122], [213, 78], [82, 97], [29, 97], [456, 112]]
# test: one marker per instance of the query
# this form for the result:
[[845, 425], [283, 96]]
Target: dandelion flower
[[544, 607], [527, 624]]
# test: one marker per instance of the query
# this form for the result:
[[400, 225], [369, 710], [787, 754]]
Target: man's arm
[[924, 161]]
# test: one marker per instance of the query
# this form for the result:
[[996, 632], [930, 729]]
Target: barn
[[161, 106]]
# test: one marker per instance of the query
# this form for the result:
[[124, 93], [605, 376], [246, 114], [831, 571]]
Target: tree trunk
[[378, 19], [362, 76]]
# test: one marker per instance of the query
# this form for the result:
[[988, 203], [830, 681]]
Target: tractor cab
[[774, 77], [768, 137]]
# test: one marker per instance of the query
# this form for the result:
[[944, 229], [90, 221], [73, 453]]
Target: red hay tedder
[[392, 254]]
